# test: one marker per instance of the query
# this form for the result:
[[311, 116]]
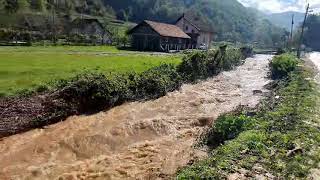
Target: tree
[[11, 6], [312, 35], [23, 5], [38, 4]]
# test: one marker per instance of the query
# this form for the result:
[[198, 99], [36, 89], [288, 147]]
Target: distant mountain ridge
[[284, 19], [230, 19]]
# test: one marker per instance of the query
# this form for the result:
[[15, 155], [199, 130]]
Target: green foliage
[[10, 35], [228, 127], [312, 36], [158, 81], [282, 65], [281, 139], [201, 65], [39, 5], [94, 91], [11, 6], [194, 66], [23, 5], [231, 20]]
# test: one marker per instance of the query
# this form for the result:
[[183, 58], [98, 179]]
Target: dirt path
[[140, 140]]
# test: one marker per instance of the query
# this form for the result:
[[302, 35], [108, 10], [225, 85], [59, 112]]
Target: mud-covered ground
[[139, 140]]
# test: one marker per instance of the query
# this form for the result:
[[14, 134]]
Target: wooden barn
[[155, 36]]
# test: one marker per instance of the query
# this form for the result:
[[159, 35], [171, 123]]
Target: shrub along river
[[142, 140]]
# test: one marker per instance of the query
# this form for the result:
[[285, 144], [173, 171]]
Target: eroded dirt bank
[[140, 140]]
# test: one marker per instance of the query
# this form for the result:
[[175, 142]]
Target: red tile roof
[[166, 30]]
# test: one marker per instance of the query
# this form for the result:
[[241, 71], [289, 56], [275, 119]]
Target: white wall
[[204, 38]]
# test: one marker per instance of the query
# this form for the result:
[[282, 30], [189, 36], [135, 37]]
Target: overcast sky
[[281, 5]]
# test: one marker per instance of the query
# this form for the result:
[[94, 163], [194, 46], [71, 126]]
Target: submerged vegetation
[[279, 140]]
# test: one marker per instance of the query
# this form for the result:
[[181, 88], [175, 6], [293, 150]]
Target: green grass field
[[27, 67]]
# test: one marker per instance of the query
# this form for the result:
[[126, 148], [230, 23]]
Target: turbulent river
[[139, 140], [315, 58]]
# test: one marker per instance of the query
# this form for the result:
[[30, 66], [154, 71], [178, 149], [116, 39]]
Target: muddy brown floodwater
[[139, 140]]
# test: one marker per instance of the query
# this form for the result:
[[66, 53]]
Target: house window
[[204, 39], [180, 40], [187, 28], [167, 39]]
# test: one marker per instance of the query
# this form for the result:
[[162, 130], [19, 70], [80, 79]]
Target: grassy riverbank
[[281, 140], [24, 68]]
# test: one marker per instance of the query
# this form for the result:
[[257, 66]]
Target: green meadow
[[28, 67]]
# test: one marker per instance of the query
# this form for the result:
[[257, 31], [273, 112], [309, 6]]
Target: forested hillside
[[92, 7], [230, 19], [312, 36], [284, 19]]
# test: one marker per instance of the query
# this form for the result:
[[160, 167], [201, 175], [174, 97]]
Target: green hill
[[231, 20], [284, 19]]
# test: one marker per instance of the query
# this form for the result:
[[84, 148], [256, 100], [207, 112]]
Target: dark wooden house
[[155, 36]]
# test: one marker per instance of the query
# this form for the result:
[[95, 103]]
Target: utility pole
[[302, 31], [291, 33], [53, 11]]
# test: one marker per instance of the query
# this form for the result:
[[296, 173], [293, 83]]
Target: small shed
[[155, 36]]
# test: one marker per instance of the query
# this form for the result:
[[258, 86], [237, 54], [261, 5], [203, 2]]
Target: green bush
[[228, 127], [194, 66], [158, 81], [93, 92], [282, 65], [233, 57], [201, 65]]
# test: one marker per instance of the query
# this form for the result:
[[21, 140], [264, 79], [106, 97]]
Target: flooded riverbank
[[138, 140]]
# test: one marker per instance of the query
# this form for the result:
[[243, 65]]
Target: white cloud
[[281, 5]]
